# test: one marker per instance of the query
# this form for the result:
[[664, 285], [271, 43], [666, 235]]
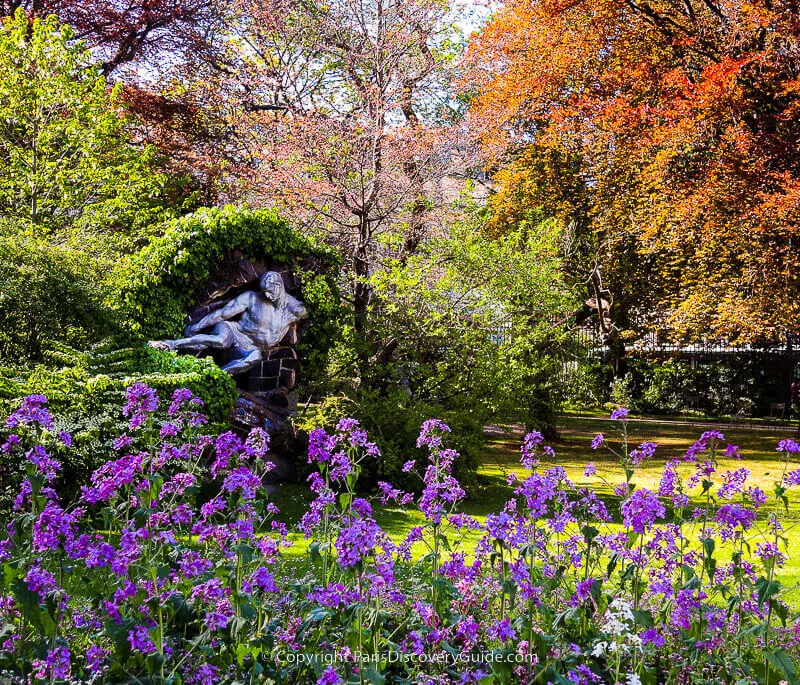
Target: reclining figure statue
[[246, 326]]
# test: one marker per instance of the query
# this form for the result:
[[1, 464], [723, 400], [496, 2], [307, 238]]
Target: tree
[[683, 116], [479, 324], [339, 116], [68, 165], [146, 33]]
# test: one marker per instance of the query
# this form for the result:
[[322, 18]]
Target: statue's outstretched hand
[[163, 345]]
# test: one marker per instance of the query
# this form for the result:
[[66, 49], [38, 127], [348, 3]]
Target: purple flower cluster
[[141, 402], [641, 510], [32, 412], [148, 575]]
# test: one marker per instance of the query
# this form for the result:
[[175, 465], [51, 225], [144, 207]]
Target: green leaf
[[589, 533], [781, 662], [766, 590]]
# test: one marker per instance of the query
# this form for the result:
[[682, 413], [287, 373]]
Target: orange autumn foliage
[[683, 118]]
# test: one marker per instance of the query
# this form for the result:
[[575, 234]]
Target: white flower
[[633, 679], [623, 609], [599, 649]]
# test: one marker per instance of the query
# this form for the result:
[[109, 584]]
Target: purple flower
[[220, 614], [502, 630], [530, 443], [768, 551], [788, 445], [641, 510], [95, 659], [348, 424], [184, 407], [260, 579], [226, 447], [341, 466], [122, 442], [10, 444], [111, 477], [792, 478], [56, 666], [357, 539], [52, 527], [467, 630], [651, 636], [709, 437], [590, 469], [583, 591], [140, 640], [43, 462], [642, 453], [732, 452], [598, 441], [757, 496], [538, 490], [242, 479], [733, 515], [620, 414], [320, 446], [330, 677], [621, 489], [390, 493], [31, 411], [40, 580], [141, 402], [25, 491], [334, 596], [430, 434], [583, 675], [409, 466], [733, 483], [257, 443], [203, 674]]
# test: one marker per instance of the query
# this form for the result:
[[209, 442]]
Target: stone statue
[[246, 326]]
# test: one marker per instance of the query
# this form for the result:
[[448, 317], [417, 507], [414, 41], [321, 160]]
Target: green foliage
[[87, 381], [478, 324], [48, 292], [589, 384], [156, 286], [86, 392], [68, 164], [721, 387], [469, 330]]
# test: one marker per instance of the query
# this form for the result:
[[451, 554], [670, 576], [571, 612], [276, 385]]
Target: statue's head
[[271, 283]]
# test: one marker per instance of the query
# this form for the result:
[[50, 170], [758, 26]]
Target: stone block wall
[[277, 370]]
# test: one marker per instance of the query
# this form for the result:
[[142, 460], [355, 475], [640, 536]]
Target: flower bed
[[142, 580]]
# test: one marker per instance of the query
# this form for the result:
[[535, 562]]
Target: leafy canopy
[[683, 116], [478, 323], [67, 162]]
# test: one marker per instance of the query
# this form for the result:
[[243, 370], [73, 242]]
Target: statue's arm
[[297, 309], [236, 306]]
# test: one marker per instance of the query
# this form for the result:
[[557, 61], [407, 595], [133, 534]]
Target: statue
[[246, 326]]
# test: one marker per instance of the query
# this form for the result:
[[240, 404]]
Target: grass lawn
[[573, 452]]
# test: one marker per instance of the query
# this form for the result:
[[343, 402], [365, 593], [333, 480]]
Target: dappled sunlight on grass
[[573, 452]]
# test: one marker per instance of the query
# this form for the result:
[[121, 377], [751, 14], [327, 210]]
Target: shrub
[[716, 387], [86, 391], [135, 582], [48, 293]]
